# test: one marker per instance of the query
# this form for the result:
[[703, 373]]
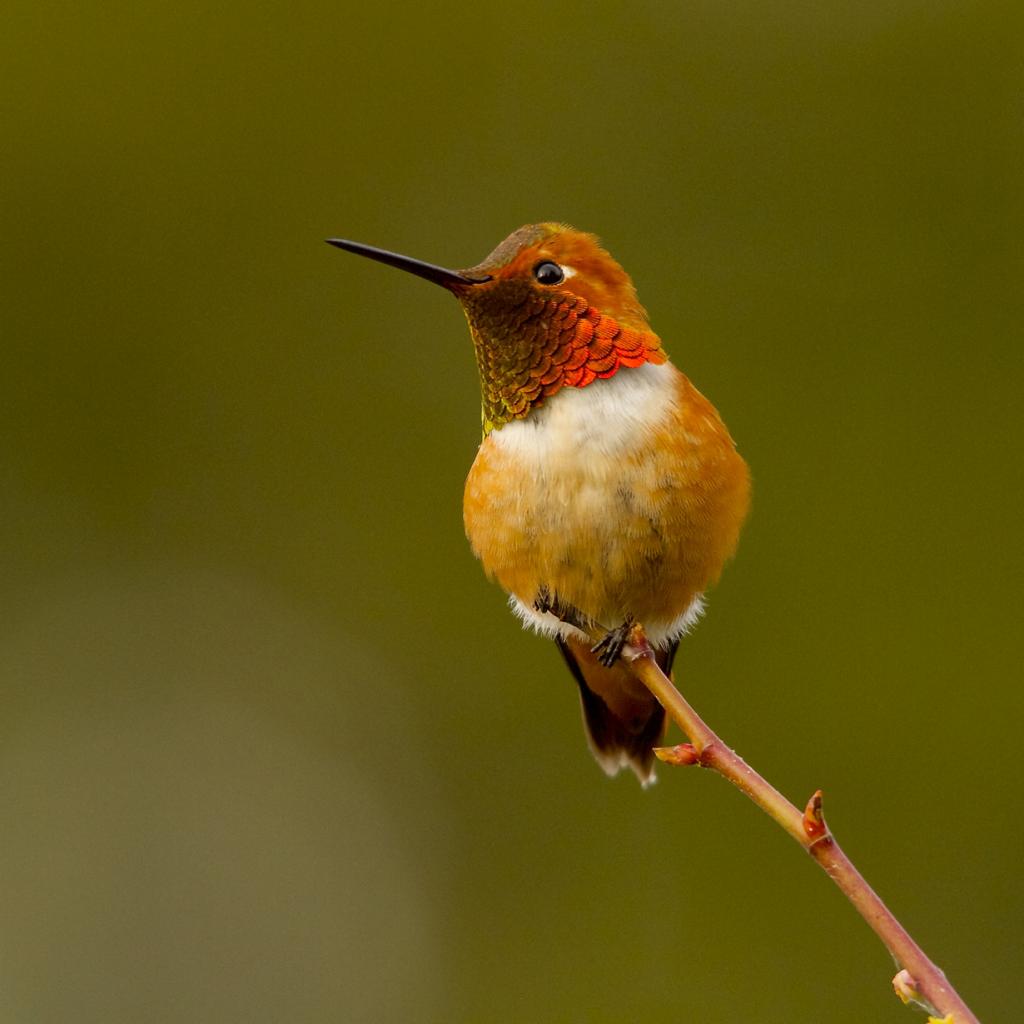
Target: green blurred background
[[271, 747]]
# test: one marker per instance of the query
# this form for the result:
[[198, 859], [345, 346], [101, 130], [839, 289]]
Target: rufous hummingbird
[[607, 491]]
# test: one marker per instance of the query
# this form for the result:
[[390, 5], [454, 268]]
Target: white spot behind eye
[[567, 272]]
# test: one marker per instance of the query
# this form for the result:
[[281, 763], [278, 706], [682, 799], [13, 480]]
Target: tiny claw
[[681, 754], [610, 646], [814, 819]]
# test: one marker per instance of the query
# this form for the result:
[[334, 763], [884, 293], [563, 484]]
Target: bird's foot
[[548, 602], [609, 647]]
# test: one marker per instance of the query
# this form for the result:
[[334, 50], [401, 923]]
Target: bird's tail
[[622, 720]]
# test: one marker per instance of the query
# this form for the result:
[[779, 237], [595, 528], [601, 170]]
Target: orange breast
[[626, 503]]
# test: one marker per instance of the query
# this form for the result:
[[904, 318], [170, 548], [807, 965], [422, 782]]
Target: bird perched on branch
[[607, 491]]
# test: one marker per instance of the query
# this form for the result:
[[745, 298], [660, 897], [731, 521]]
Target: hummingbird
[[607, 491]]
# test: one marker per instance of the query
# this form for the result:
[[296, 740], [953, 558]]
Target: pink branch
[[919, 980]]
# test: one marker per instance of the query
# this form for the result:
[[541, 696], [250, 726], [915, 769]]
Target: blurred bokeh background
[[271, 747]]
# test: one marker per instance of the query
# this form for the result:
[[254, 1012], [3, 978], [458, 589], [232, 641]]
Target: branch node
[[906, 988], [814, 820], [710, 748], [637, 645], [680, 755]]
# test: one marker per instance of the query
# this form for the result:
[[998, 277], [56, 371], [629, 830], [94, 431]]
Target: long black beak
[[450, 279]]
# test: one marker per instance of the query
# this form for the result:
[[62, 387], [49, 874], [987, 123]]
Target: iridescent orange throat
[[530, 345]]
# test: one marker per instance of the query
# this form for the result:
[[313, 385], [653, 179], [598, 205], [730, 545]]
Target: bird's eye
[[548, 273]]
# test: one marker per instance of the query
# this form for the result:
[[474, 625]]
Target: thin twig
[[919, 980]]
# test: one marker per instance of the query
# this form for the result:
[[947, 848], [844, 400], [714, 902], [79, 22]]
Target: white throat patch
[[605, 417]]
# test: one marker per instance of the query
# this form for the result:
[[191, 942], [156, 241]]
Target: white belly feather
[[577, 448]]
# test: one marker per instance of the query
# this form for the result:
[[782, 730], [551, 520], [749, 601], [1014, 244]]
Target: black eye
[[548, 273]]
